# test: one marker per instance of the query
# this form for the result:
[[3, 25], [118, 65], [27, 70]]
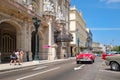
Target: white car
[[113, 62]]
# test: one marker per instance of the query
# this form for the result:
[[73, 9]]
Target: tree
[[116, 48]]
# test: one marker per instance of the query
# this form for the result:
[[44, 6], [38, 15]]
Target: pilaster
[[23, 41], [52, 49]]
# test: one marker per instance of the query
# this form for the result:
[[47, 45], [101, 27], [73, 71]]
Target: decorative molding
[[48, 8], [59, 16]]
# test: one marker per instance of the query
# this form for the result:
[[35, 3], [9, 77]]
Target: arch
[[13, 23], [8, 38]]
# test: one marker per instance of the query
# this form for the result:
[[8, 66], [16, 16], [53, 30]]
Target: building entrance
[[7, 41]]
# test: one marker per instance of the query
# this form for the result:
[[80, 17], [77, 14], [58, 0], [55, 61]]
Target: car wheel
[[115, 66]]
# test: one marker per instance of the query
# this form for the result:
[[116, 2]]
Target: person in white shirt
[[18, 57]]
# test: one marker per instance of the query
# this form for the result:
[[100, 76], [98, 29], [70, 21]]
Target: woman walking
[[21, 53]]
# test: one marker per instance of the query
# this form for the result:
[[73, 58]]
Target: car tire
[[115, 66]]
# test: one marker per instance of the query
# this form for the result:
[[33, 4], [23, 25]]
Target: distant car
[[85, 56], [113, 62], [112, 53]]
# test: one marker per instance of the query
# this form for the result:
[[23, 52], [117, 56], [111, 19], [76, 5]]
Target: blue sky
[[102, 17]]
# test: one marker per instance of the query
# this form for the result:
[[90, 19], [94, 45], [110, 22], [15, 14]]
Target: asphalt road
[[67, 70]]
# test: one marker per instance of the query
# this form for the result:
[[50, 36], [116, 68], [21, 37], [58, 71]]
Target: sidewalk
[[7, 66]]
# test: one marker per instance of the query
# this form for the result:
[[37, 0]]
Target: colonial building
[[17, 30], [78, 30]]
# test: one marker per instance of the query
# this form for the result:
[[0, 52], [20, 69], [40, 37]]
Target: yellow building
[[78, 30], [17, 30]]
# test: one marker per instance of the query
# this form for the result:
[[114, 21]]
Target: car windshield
[[86, 52], [113, 52]]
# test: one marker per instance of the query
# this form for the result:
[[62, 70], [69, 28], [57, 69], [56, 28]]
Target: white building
[[78, 30], [98, 48]]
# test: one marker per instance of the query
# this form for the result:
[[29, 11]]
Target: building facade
[[89, 39], [98, 48], [78, 30], [17, 30]]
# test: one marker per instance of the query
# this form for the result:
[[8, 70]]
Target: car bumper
[[84, 59], [107, 63]]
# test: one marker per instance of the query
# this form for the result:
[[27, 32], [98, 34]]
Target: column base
[[36, 61]]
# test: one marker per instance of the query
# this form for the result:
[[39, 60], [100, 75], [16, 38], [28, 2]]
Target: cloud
[[110, 1], [112, 4], [115, 29]]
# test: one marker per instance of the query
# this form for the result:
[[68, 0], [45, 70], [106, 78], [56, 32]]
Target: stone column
[[18, 39], [23, 40], [29, 53], [63, 47], [52, 49], [49, 14]]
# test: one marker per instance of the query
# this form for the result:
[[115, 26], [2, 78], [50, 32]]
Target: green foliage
[[116, 48]]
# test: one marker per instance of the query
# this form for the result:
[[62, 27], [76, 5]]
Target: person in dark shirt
[[13, 58]]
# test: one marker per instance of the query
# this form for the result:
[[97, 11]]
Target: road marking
[[38, 73], [40, 67], [80, 67], [16, 70]]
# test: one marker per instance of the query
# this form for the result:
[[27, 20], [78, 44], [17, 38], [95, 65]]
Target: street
[[67, 70]]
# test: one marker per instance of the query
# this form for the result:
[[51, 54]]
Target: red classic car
[[85, 56]]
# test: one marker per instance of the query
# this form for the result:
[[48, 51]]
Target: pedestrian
[[18, 57], [21, 53], [13, 58]]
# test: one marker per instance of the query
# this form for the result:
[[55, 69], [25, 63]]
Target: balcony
[[63, 37]]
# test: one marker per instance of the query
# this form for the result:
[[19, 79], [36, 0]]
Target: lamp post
[[36, 23]]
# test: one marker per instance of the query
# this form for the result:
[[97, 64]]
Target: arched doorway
[[40, 43], [7, 40], [33, 44]]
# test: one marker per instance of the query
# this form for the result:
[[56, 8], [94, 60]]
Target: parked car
[[113, 62], [112, 53], [85, 56]]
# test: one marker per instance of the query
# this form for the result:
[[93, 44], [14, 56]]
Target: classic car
[[85, 56], [113, 62], [111, 53]]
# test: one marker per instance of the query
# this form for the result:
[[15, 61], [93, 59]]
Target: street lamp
[[36, 23]]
